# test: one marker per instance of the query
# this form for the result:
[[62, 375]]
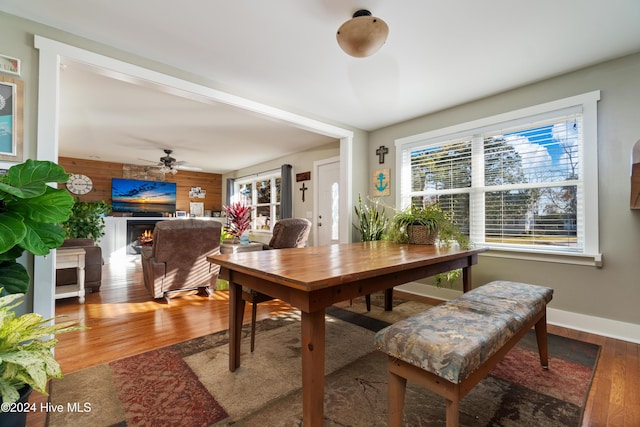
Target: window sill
[[593, 260]]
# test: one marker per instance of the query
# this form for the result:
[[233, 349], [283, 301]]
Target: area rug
[[189, 384]]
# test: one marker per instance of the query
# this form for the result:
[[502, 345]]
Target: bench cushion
[[455, 338]]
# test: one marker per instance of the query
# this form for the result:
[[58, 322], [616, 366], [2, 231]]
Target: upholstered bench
[[449, 348]]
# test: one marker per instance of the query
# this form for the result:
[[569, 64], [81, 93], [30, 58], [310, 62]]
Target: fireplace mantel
[[115, 240]]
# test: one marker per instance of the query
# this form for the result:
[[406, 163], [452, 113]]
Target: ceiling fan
[[170, 165]]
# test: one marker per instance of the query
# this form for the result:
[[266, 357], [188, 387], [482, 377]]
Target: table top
[[228, 248], [318, 267], [75, 251]]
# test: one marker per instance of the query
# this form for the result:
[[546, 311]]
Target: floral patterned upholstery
[[453, 339]]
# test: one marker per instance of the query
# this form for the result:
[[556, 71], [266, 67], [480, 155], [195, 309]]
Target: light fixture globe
[[363, 35]]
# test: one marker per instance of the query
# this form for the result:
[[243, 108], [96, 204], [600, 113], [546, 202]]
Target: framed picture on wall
[[9, 65], [196, 208], [11, 103]]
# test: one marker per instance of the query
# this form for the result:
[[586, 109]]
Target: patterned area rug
[[189, 384]]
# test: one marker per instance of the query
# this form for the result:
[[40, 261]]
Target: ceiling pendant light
[[363, 35]]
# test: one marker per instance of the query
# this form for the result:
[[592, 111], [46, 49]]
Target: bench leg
[[541, 338], [452, 414], [395, 401]]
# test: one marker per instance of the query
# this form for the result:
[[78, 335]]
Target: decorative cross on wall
[[303, 189], [381, 152]]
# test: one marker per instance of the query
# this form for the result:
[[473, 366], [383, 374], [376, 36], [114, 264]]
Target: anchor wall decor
[[381, 183]]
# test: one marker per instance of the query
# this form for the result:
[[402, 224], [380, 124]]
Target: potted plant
[[86, 220], [372, 221], [424, 225], [238, 219], [26, 361], [31, 213]]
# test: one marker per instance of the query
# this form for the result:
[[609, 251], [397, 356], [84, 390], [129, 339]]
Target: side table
[[234, 248], [68, 258]]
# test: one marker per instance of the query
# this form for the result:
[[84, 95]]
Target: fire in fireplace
[[146, 238], [139, 234]]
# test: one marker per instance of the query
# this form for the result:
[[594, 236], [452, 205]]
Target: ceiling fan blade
[[150, 161], [188, 168]]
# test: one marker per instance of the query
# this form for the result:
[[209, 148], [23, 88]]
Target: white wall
[[300, 162]]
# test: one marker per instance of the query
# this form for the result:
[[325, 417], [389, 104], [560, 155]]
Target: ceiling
[[284, 53]]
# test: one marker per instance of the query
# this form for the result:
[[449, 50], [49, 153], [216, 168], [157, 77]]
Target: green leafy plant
[[31, 213], [86, 220], [434, 219], [430, 216], [224, 234], [25, 357], [239, 218], [372, 221]]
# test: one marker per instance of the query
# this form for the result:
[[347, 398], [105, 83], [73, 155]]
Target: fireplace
[[139, 234]]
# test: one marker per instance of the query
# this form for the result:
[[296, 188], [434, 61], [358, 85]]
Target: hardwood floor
[[122, 321]]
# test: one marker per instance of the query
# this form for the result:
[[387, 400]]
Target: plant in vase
[[31, 213], [425, 225], [26, 361], [86, 220], [238, 219], [372, 221]]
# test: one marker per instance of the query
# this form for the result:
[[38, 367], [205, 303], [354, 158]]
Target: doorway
[[327, 222], [51, 54]]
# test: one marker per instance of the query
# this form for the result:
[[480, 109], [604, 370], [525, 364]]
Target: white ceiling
[[283, 53]]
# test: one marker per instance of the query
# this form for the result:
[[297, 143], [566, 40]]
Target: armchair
[[177, 259], [287, 233]]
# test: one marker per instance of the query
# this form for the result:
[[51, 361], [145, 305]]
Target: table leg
[[466, 279], [388, 299], [81, 278], [236, 314], [313, 336]]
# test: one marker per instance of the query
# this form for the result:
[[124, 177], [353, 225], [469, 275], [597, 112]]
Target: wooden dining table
[[314, 278]]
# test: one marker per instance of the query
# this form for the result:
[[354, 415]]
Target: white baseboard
[[595, 325], [580, 322]]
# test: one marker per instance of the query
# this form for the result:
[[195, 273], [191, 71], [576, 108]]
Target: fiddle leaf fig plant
[[31, 213]]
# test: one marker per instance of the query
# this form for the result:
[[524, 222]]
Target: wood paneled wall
[[102, 172]]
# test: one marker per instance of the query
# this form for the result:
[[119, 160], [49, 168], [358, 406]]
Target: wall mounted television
[[134, 195]]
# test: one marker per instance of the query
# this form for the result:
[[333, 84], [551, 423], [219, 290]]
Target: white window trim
[[589, 103], [272, 206]]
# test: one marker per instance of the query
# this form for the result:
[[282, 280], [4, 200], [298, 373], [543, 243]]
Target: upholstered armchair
[[287, 233], [177, 259]]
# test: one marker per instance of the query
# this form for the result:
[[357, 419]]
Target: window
[[262, 193], [523, 181]]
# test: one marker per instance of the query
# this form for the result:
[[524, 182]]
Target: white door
[[328, 203]]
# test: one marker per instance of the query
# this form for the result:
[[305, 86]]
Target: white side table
[[68, 258], [234, 248]]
